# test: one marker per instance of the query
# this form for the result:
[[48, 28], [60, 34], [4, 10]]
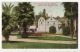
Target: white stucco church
[[44, 24]]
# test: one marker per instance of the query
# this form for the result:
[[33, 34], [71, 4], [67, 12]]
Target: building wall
[[41, 25]]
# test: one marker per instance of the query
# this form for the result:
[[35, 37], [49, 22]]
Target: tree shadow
[[12, 42], [34, 37]]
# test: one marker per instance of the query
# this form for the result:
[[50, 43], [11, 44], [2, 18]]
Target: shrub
[[66, 30], [52, 29], [24, 35]]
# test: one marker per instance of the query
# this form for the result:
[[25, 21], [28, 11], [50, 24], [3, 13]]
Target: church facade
[[45, 24]]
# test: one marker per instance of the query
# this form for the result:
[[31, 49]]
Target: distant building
[[44, 24]]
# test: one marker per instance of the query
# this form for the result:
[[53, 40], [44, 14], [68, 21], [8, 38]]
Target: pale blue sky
[[55, 10], [51, 10]]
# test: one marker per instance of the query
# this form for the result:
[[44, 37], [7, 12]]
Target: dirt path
[[14, 38], [66, 36]]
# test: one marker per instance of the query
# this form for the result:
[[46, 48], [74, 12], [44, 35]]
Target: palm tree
[[8, 23]]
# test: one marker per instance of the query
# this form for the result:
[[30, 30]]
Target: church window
[[59, 26], [48, 22], [40, 19]]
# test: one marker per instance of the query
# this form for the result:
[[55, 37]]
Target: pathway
[[14, 38]]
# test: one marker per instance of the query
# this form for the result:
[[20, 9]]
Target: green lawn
[[28, 45], [57, 38]]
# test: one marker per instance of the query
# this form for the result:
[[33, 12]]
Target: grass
[[30, 45], [57, 38]]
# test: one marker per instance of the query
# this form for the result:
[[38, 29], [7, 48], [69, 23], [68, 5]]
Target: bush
[[66, 31], [52, 29], [24, 35]]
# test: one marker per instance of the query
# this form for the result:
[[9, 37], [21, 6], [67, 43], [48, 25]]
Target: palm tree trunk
[[72, 29], [68, 23], [6, 39], [5, 36]]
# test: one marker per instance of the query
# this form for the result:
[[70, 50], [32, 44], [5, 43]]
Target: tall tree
[[71, 12], [44, 13], [25, 16]]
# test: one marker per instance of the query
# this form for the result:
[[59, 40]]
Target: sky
[[53, 9]]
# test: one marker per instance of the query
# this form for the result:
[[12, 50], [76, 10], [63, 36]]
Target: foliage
[[7, 8], [62, 26], [40, 14], [44, 13], [52, 29], [57, 17], [71, 9], [6, 14], [25, 12], [66, 31]]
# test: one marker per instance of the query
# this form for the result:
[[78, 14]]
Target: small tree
[[66, 31], [52, 29]]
